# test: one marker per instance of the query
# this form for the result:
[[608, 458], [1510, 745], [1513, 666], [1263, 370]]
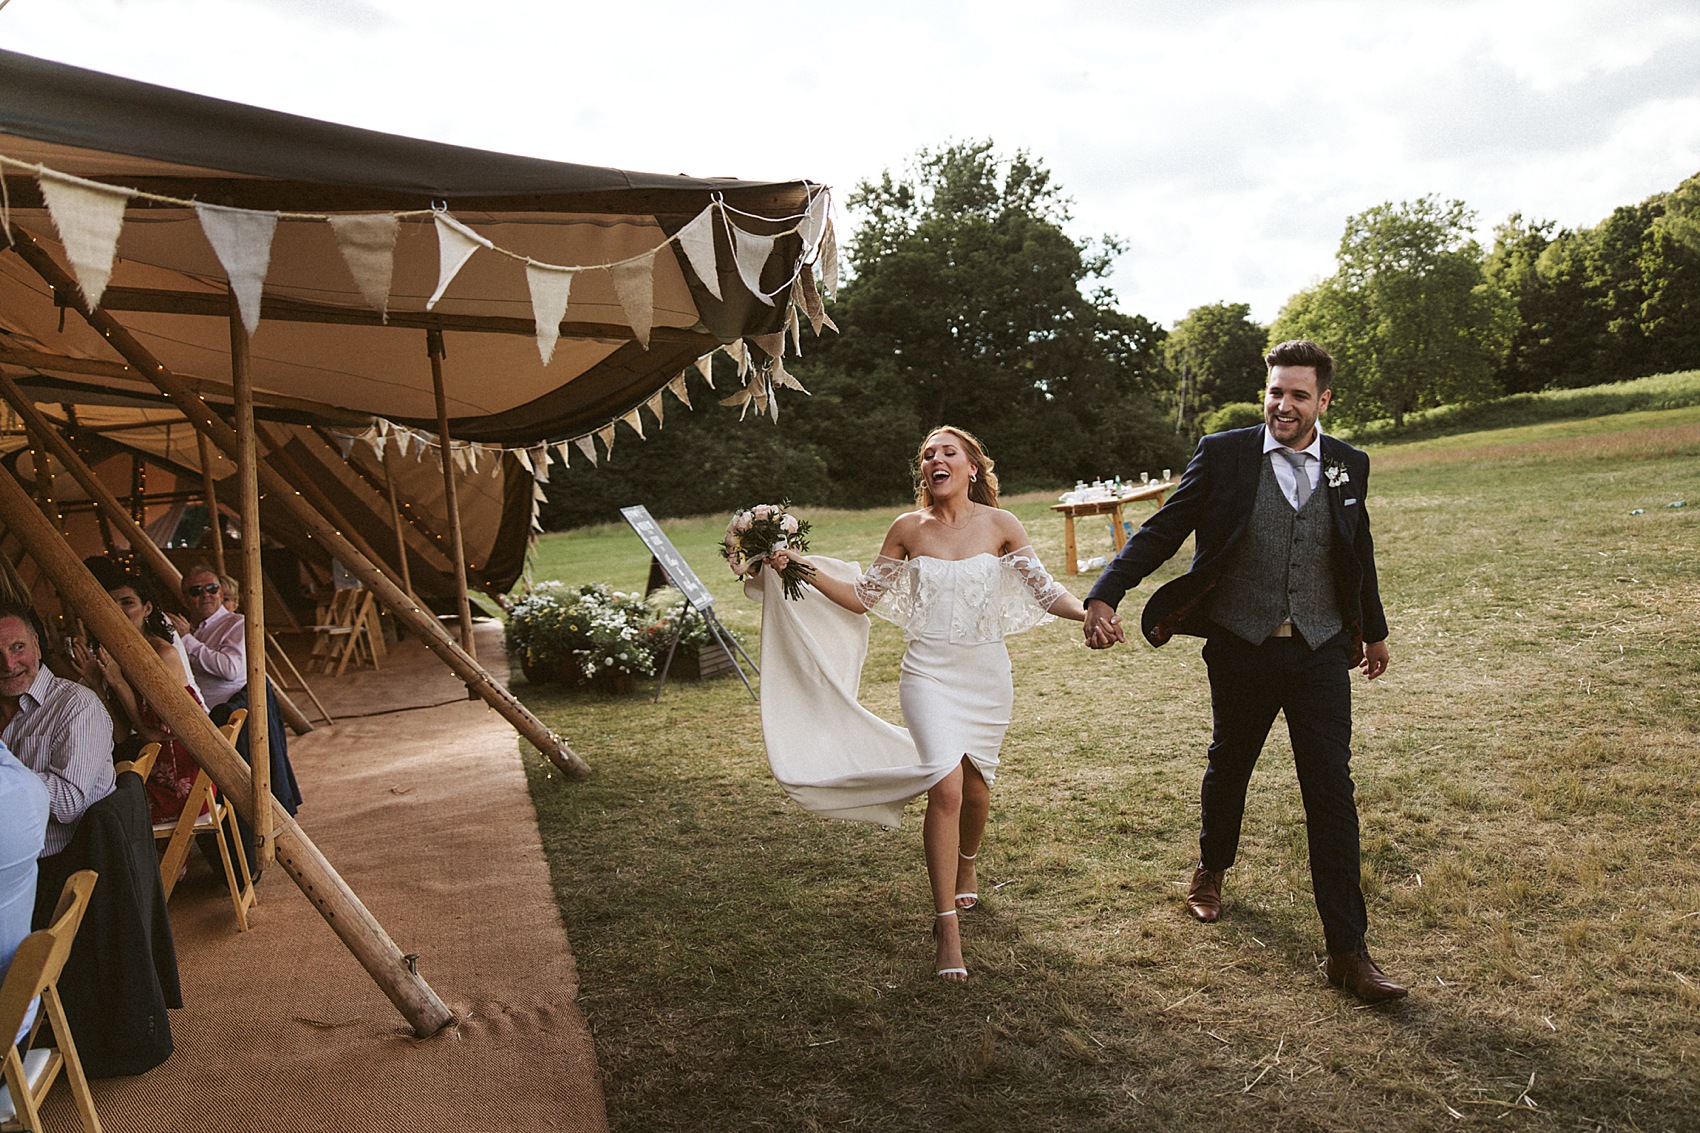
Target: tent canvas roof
[[319, 344], [321, 355]]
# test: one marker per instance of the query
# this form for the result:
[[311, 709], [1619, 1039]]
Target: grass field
[[1526, 777]]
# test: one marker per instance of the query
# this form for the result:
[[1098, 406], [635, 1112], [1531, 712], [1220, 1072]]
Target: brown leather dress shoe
[[1204, 895], [1358, 974]]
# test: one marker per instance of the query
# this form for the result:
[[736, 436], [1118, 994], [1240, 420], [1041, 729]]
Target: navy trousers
[[1249, 684]]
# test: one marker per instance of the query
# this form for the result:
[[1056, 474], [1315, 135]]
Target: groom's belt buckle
[[1285, 629]]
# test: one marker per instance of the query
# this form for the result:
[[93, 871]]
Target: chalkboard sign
[[679, 572]]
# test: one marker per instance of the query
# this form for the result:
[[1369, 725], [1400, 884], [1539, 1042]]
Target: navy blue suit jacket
[[1215, 500]]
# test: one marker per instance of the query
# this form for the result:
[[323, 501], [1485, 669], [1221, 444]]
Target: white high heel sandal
[[972, 898], [942, 973]]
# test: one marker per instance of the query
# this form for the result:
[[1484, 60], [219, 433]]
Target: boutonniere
[[1335, 473]]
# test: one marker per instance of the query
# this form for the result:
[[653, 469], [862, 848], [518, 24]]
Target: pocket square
[[1348, 503]]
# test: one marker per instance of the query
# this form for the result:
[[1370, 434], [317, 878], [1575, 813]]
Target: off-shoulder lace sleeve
[[886, 590], [1028, 591]]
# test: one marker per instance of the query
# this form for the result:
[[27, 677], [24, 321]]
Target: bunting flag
[[813, 225], [805, 295], [681, 390], [705, 367], [791, 325], [540, 463], [697, 240], [635, 420], [634, 283], [88, 217], [735, 350], [606, 432], [772, 345], [780, 376], [345, 444], [751, 252], [655, 407], [455, 245], [562, 449], [550, 287], [524, 459], [242, 240], [403, 437], [367, 244], [829, 261], [538, 495], [588, 447]]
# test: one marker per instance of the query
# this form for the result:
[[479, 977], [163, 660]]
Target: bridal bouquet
[[757, 532]]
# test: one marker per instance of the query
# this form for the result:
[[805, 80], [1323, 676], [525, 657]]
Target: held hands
[[1103, 626]]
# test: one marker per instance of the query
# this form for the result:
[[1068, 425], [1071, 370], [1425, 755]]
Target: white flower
[[788, 525]]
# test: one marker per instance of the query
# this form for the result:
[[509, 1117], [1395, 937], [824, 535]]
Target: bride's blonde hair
[[983, 489]]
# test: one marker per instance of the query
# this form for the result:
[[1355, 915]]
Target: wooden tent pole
[[303, 482], [336, 902], [163, 568], [422, 622], [254, 620], [108, 505], [451, 496], [71, 434], [209, 489], [395, 518]]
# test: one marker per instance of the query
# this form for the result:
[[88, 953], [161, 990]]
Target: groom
[[1283, 590]]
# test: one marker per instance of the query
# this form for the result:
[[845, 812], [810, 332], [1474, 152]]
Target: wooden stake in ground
[[254, 620], [422, 622], [336, 902]]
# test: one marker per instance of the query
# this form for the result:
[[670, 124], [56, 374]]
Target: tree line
[[966, 302]]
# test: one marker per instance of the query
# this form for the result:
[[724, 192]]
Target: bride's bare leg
[[939, 832], [976, 807]]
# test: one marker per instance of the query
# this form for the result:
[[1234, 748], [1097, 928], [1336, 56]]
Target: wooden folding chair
[[142, 764], [345, 632], [208, 812], [29, 1070]]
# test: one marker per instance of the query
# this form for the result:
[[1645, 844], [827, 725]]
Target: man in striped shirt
[[57, 728]]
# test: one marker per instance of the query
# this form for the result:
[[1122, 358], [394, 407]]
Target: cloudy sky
[[1225, 142]]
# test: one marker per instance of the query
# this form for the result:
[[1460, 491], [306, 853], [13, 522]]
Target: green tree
[[1216, 354], [968, 303], [1410, 313]]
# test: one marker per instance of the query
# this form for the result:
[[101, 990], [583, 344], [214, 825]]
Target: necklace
[[974, 510]]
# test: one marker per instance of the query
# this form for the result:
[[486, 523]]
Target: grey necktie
[[1301, 477]]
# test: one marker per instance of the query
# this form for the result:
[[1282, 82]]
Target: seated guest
[[174, 770], [55, 727], [23, 827], [218, 653], [215, 638]]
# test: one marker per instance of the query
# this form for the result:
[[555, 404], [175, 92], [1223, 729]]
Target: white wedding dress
[[833, 756]]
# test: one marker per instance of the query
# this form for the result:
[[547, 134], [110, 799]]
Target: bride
[[958, 574]]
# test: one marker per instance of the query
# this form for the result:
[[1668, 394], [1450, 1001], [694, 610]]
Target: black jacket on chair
[[1215, 500], [122, 972]]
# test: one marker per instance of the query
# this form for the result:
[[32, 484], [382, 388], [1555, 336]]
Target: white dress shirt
[[1284, 478], [63, 734], [218, 656]]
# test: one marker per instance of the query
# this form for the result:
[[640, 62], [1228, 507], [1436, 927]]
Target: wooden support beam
[[98, 493], [420, 621], [336, 902], [395, 518], [209, 491], [254, 618], [451, 494]]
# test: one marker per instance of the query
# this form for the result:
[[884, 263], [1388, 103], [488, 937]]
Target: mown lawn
[[1526, 776]]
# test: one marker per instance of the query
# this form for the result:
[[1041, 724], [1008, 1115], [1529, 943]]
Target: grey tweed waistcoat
[[1280, 570]]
